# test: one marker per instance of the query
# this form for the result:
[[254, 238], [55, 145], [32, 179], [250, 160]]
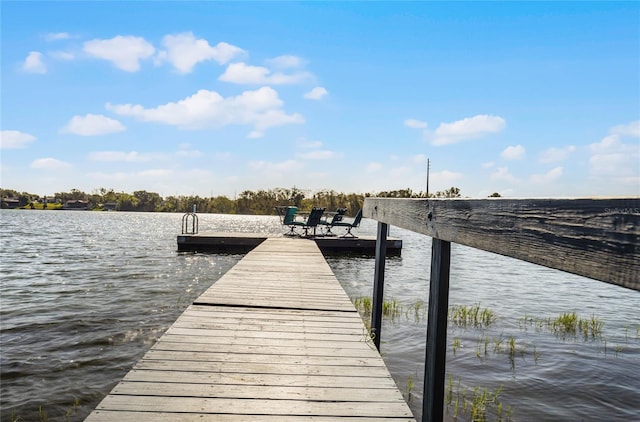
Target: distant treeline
[[261, 202]]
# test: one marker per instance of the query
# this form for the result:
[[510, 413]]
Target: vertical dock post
[[378, 283], [435, 357]]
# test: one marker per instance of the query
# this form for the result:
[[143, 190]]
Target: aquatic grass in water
[[471, 316], [417, 309], [512, 352], [593, 326], [362, 304], [480, 405], [408, 393], [392, 309], [566, 325], [456, 344], [481, 347], [42, 415]]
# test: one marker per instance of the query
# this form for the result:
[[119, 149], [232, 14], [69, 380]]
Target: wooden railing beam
[[595, 238]]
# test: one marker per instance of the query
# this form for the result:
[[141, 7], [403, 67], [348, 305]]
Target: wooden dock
[[275, 339], [245, 242]]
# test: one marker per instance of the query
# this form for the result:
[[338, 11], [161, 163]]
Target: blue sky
[[212, 98]]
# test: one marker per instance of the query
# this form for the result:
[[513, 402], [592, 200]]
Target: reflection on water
[[85, 294]]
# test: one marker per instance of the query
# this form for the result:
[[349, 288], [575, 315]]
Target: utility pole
[[428, 178]]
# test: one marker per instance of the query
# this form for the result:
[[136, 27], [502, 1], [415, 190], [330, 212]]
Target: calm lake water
[[85, 294]]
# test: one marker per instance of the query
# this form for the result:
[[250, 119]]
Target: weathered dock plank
[[276, 338], [232, 358], [254, 392], [198, 417], [256, 407], [267, 380], [246, 342]]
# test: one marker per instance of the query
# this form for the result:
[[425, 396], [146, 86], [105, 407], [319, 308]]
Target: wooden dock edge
[[219, 242]]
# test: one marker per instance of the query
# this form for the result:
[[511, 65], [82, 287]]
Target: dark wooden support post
[[378, 283], [435, 358]]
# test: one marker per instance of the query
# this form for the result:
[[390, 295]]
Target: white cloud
[[49, 164], [92, 125], [33, 63], [14, 139], [137, 157], [189, 153], [513, 153], [267, 174], [306, 144], [319, 155], [610, 143], [316, 93], [61, 55], [55, 36], [125, 52], [614, 161], [161, 180], [132, 156], [184, 51], [420, 159], [553, 154], [632, 129], [241, 73], [488, 165], [415, 124], [502, 174], [399, 171], [373, 167], [546, 178], [255, 134], [222, 156], [444, 178], [286, 62], [469, 128], [155, 174], [260, 108], [266, 166]]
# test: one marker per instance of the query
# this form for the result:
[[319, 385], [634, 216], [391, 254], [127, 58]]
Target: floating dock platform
[[275, 339], [245, 242]]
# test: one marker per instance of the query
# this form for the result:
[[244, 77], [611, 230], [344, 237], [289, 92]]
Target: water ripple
[[84, 295]]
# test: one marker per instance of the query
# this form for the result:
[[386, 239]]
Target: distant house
[[76, 204], [10, 203], [110, 206]]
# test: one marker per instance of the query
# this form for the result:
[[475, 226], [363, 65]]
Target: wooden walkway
[[275, 339]]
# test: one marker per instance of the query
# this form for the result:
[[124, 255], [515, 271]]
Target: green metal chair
[[349, 226], [337, 217], [311, 222], [288, 217]]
